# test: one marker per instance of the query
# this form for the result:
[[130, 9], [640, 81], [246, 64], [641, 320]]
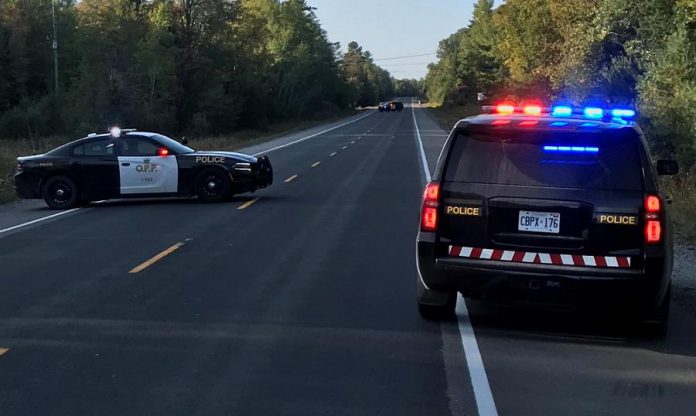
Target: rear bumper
[[563, 286], [27, 185]]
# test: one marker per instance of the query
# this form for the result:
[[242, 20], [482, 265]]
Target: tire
[[213, 185], [60, 192], [438, 311], [656, 324]]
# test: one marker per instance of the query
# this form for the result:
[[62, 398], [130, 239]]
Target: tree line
[[175, 66], [621, 52]]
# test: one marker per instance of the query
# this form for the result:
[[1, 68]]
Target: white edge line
[[7, 230], [479, 380], [424, 161], [313, 135]]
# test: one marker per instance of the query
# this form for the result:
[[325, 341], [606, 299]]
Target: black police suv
[[557, 206], [127, 164]]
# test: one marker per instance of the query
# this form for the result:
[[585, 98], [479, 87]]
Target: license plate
[[539, 222]]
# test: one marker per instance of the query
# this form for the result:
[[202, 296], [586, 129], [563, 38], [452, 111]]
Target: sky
[[394, 28]]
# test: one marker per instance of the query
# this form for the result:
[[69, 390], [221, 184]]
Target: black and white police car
[[558, 205], [129, 163]]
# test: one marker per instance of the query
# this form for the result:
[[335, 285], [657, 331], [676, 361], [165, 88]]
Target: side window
[[94, 148], [136, 146]]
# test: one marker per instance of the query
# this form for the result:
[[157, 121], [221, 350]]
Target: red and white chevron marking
[[540, 258]]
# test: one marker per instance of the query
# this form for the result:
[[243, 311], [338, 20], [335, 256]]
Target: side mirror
[[184, 140], [667, 167]]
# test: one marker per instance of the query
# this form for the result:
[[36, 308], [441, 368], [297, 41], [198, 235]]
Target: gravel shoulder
[[684, 275]]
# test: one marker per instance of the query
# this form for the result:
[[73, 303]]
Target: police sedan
[[129, 163]]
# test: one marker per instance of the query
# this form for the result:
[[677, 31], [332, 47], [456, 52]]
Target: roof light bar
[[623, 113], [505, 109], [595, 113], [531, 110], [562, 111]]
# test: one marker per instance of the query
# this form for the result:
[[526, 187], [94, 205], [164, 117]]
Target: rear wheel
[[655, 324], [60, 192], [213, 185], [437, 306]]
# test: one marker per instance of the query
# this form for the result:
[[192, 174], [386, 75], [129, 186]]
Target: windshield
[[607, 160]]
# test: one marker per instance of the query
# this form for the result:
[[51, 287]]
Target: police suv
[[555, 205], [129, 163]]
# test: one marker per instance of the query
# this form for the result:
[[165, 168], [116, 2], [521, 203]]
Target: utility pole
[[55, 46]]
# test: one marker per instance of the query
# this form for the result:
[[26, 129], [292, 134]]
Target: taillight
[[652, 204], [653, 231], [653, 226], [429, 214]]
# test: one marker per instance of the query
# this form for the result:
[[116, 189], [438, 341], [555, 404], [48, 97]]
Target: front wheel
[[60, 192], [213, 185]]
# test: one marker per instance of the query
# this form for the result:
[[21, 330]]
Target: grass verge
[[682, 190], [11, 149], [449, 115]]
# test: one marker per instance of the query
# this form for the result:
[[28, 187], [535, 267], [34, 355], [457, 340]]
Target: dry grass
[[11, 149], [682, 190], [448, 116]]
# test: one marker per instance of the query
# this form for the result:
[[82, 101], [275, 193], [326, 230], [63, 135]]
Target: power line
[[406, 57]]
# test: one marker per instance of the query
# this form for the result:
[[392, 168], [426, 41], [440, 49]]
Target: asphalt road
[[296, 300]]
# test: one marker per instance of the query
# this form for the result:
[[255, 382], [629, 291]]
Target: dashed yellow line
[[3, 351], [315, 164], [290, 179], [248, 204], [157, 258], [333, 154]]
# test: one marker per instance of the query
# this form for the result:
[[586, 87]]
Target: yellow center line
[[3, 351], [332, 154], [315, 164], [248, 204], [344, 147], [292, 178], [157, 258]]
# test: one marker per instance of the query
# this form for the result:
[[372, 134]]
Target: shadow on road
[[582, 327]]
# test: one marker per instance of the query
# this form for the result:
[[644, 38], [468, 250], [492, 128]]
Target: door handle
[[125, 164]]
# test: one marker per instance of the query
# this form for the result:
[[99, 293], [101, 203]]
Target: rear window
[[593, 160]]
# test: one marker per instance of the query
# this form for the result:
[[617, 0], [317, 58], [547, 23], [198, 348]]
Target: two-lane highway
[[297, 300]]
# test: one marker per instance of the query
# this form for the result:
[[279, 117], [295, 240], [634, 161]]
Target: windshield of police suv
[[606, 160]]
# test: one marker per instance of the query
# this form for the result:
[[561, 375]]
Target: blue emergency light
[[571, 149]]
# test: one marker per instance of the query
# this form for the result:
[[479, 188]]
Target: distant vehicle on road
[[390, 106], [558, 205], [127, 164]]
